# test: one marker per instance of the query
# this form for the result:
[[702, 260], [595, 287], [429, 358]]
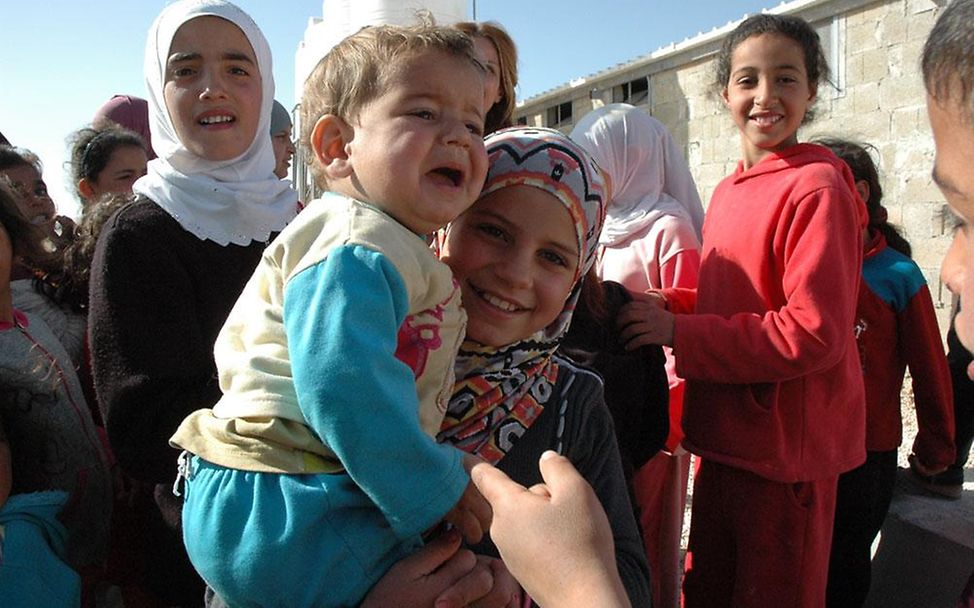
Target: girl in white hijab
[[651, 240], [236, 200], [169, 266]]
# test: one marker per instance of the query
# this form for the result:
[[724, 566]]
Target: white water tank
[[343, 17], [403, 12]]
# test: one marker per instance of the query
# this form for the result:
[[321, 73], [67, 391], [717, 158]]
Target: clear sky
[[62, 59]]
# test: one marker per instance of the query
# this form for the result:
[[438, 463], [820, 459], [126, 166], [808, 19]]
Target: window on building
[[560, 114], [832, 34], [635, 92], [522, 120]]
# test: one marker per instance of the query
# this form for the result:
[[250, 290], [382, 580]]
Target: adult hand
[[554, 537], [506, 592], [645, 321], [441, 574]]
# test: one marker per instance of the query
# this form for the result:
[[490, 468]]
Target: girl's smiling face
[[768, 93], [213, 88], [515, 255]]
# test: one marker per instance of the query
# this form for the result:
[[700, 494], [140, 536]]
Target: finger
[[505, 593], [540, 489], [434, 555], [639, 334], [558, 472], [482, 512], [643, 340], [470, 527], [493, 483], [471, 585], [637, 312], [460, 565], [649, 297]]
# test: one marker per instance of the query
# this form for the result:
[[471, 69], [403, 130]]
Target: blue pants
[[270, 539]]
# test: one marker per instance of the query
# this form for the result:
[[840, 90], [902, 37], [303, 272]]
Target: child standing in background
[[336, 363], [55, 484], [281, 139], [650, 241], [895, 327], [106, 159], [774, 400]]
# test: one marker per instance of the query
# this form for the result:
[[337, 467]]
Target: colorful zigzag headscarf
[[499, 392]]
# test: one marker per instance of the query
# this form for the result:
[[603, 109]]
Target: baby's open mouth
[[455, 176]]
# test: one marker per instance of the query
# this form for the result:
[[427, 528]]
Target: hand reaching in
[[554, 537]]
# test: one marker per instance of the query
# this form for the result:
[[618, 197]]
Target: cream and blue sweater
[[338, 355]]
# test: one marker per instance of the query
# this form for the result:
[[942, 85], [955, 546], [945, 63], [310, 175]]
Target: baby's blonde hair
[[356, 70]]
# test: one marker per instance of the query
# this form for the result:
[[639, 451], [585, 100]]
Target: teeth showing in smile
[[499, 303], [766, 120], [212, 120]]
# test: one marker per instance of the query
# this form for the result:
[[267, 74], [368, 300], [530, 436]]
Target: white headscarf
[[230, 201], [649, 177]]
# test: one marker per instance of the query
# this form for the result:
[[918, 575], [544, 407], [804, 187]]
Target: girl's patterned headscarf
[[501, 391]]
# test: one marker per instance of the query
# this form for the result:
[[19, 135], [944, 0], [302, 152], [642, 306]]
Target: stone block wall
[[881, 101]]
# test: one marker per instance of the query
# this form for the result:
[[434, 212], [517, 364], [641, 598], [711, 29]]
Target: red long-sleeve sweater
[[896, 326], [773, 378]]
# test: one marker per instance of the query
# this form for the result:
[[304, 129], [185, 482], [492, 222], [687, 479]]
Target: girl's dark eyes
[[424, 114], [493, 231], [554, 258], [476, 129], [239, 71]]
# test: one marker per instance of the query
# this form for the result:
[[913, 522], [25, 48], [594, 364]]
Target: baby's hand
[[471, 515]]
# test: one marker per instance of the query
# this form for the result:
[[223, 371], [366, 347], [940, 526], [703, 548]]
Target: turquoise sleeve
[[342, 317]]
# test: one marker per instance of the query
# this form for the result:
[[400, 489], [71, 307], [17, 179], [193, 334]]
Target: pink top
[[664, 254]]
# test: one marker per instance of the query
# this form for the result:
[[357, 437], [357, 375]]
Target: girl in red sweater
[[895, 326], [774, 401]]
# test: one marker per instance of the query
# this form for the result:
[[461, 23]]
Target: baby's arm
[[342, 318]]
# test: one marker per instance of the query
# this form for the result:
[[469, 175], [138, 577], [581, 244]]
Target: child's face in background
[[515, 255], [487, 53], [213, 88], [954, 140], [417, 151], [124, 166], [34, 202], [283, 151], [768, 93]]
